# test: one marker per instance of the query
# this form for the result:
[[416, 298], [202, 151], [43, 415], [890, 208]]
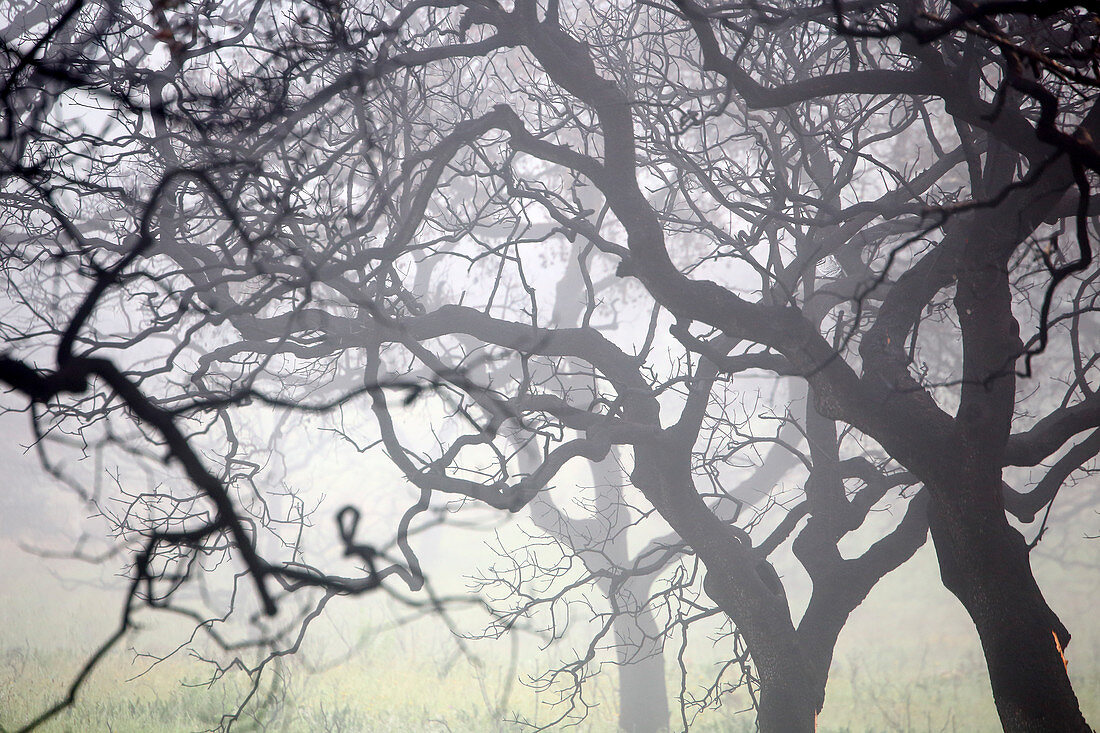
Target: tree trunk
[[791, 693], [786, 706], [643, 698], [639, 650], [985, 563]]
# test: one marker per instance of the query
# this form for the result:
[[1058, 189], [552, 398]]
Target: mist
[[522, 366]]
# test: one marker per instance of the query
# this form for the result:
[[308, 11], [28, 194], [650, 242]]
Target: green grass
[[908, 662], [373, 691], [387, 685]]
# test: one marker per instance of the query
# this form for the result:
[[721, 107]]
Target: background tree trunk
[[643, 693]]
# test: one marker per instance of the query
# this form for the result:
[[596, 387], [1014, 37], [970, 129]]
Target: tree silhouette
[[219, 212]]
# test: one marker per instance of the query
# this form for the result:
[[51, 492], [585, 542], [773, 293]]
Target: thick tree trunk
[[791, 692], [785, 708], [985, 563]]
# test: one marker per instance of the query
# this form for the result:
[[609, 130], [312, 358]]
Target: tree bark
[[984, 562], [784, 707], [791, 693]]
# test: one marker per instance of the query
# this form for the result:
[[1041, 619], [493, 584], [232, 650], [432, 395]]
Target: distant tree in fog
[[216, 213]]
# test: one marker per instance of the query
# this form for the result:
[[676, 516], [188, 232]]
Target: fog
[[531, 366]]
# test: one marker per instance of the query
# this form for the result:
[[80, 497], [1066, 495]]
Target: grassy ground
[[372, 693], [907, 662]]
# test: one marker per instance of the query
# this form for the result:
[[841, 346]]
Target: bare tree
[[116, 128], [305, 209]]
